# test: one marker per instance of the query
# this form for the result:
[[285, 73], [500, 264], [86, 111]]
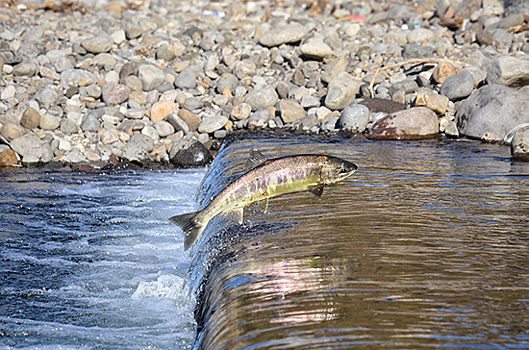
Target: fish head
[[336, 169]]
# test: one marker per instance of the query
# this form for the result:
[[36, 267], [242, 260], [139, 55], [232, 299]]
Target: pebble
[[286, 34], [262, 98], [520, 145], [123, 73], [458, 86], [410, 124], [494, 109], [354, 118]]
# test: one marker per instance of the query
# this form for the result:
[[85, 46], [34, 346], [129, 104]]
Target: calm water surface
[[426, 246]]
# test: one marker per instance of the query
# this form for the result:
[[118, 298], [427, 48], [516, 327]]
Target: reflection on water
[[427, 245]]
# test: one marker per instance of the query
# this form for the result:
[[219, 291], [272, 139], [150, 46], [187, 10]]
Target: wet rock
[[496, 109], [98, 44], [30, 118], [162, 109], [434, 101], [458, 86], [354, 118], [286, 34], [291, 111], [150, 76], [410, 124], [114, 94], [341, 91], [520, 145], [8, 157], [509, 71], [196, 155], [262, 98], [186, 79], [212, 124]]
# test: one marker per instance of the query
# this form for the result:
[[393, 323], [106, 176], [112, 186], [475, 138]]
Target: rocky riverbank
[[99, 82]]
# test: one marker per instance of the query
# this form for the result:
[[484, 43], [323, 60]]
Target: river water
[[426, 246]]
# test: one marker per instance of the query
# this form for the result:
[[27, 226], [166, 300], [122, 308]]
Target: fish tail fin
[[190, 225]]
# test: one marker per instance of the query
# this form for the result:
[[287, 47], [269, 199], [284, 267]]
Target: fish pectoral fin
[[256, 158], [316, 190], [236, 215], [263, 204]]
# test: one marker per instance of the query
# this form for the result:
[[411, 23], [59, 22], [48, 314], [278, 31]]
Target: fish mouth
[[348, 168]]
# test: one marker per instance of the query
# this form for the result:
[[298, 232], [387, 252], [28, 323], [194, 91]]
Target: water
[[89, 261], [426, 246]]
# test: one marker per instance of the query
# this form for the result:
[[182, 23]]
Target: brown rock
[[162, 109], [428, 98], [291, 111], [376, 105], [443, 71], [8, 157], [12, 131], [114, 94], [190, 118], [30, 118], [410, 124]]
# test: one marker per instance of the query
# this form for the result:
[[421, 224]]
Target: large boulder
[[492, 110], [410, 124]]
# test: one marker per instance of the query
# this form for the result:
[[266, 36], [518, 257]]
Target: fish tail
[[190, 225]]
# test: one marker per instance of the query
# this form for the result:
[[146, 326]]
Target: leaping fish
[[264, 179]]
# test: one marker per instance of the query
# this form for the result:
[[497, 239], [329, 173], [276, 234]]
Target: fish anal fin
[[316, 190], [256, 158], [265, 204]]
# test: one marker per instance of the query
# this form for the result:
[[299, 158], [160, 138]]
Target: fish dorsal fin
[[256, 158], [316, 190]]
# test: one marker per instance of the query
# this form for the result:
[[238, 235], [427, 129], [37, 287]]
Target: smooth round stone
[[164, 128], [409, 124], [25, 69], [49, 122], [212, 124], [8, 92], [196, 155], [342, 91], [68, 127], [186, 79], [98, 44], [354, 118], [509, 71], [286, 34], [144, 141], [316, 49], [227, 81], [75, 76], [291, 111], [192, 103], [420, 35], [91, 123], [12, 130], [151, 76], [162, 109], [30, 118], [262, 98], [458, 86], [241, 111], [114, 94]]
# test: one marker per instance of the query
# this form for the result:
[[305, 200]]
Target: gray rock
[[410, 124], [259, 118], [341, 91], [262, 98], [192, 103], [98, 44], [334, 68], [91, 123], [245, 68], [428, 98], [458, 86], [132, 31], [241, 111], [114, 94], [286, 34], [509, 71], [291, 111], [49, 122], [196, 155], [316, 49], [28, 146], [520, 145], [135, 152], [227, 81], [186, 79], [68, 127], [511, 20], [163, 53], [73, 76], [177, 123], [354, 118], [502, 37], [407, 85], [11, 57], [47, 96], [25, 68], [417, 51], [420, 35], [493, 109], [213, 123], [164, 128], [151, 76]]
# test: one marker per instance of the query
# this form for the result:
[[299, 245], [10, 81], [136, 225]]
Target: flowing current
[[426, 246]]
